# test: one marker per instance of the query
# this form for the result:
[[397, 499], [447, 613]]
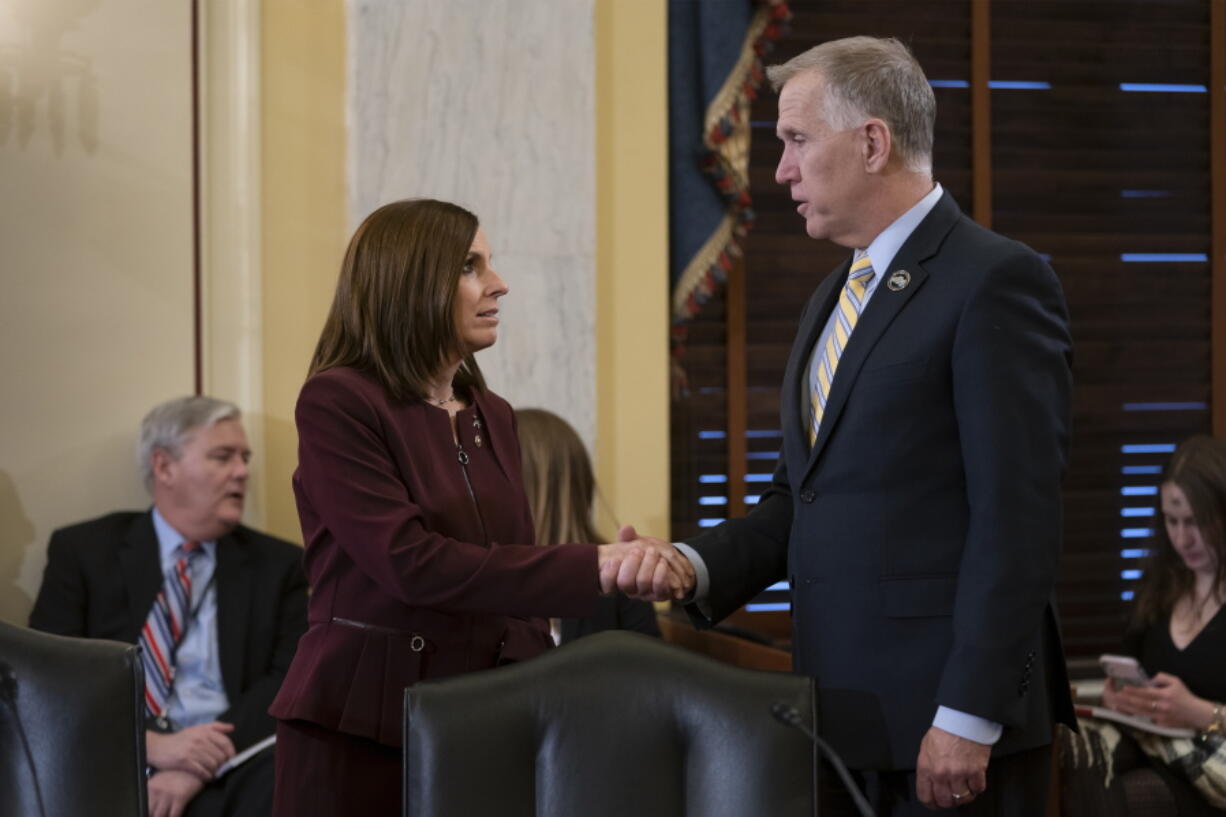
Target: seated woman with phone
[[1173, 671]]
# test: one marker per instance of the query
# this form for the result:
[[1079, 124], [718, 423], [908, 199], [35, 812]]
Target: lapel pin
[[899, 280]]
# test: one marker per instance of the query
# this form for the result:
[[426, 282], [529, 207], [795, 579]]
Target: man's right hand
[[171, 791], [644, 568], [198, 749]]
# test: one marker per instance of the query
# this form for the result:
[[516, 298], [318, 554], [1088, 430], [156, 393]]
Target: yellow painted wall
[[303, 216], [632, 260]]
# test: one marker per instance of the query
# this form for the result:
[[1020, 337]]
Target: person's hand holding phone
[[1124, 673], [1164, 699]]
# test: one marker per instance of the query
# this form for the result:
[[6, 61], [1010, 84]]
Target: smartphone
[[1124, 669]]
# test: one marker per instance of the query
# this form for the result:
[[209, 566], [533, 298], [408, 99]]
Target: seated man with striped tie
[[216, 607]]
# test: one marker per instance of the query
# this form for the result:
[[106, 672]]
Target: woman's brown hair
[[393, 315], [1198, 468], [557, 477]]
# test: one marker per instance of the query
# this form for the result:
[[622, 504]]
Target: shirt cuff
[[702, 579], [964, 725]]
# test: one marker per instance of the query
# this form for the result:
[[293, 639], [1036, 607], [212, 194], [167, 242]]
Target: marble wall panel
[[490, 103]]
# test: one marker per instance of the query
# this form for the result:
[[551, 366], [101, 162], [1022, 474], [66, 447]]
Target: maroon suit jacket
[[420, 566]]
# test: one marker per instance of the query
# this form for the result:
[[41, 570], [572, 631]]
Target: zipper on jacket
[[462, 457]]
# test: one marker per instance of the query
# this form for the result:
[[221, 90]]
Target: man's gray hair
[[869, 77], [168, 426]]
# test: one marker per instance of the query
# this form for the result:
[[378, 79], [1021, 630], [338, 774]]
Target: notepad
[[1136, 722], [245, 755]]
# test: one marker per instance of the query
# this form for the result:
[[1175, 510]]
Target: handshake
[[644, 567]]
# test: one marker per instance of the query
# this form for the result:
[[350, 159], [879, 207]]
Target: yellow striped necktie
[[821, 372]]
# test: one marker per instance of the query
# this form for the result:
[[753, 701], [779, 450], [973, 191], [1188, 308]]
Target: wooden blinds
[[1099, 135]]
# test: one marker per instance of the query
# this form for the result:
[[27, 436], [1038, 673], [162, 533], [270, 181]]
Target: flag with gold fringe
[[715, 68]]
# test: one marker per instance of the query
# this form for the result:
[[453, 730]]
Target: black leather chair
[[79, 702], [613, 724]]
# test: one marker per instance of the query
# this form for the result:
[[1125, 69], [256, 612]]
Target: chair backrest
[[613, 724], [79, 703]]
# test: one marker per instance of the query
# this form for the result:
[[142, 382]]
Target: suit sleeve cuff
[[964, 725], [702, 579]]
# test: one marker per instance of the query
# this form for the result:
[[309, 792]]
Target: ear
[[878, 145], [162, 466]]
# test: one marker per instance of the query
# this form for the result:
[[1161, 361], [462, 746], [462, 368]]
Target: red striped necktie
[[163, 631]]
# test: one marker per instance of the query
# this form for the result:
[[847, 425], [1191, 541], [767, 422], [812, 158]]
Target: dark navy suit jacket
[[921, 532]]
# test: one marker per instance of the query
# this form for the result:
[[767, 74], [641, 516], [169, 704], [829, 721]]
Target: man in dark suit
[[916, 506], [243, 608]]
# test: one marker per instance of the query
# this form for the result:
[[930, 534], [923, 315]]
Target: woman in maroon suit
[[419, 541]]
